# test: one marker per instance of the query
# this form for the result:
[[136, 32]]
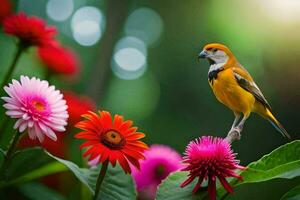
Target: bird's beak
[[202, 54]]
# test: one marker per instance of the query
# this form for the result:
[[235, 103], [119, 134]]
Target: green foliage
[[48, 169], [37, 191], [283, 162], [22, 162], [116, 184], [22, 168], [293, 194], [170, 188]]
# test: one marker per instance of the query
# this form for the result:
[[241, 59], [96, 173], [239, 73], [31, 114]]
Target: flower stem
[[9, 155], [13, 65], [100, 178]]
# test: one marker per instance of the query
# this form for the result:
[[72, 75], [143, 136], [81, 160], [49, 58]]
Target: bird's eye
[[214, 50]]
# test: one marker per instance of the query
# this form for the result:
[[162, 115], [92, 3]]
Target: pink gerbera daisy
[[37, 106], [210, 158], [159, 163]]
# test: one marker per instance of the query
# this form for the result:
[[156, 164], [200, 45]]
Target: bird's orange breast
[[228, 92]]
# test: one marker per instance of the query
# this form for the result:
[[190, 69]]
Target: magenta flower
[[159, 163], [37, 106], [210, 158]]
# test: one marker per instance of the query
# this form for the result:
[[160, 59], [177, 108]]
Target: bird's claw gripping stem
[[233, 134]]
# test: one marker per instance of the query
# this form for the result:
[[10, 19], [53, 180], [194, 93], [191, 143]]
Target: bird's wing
[[246, 82]]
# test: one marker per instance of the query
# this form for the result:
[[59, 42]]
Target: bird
[[234, 87]]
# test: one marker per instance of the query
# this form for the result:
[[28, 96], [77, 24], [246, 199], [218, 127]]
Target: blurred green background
[[138, 59]]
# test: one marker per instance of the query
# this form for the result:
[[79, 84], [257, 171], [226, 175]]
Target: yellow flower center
[[38, 105], [113, 139]]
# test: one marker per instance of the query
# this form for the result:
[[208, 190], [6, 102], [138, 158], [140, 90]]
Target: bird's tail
[[270, 117]]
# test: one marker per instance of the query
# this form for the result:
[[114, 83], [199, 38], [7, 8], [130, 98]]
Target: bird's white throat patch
[[215, 67]]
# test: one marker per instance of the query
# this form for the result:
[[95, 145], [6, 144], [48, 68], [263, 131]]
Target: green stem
[[13, 65], [9, 155], [100, 178]]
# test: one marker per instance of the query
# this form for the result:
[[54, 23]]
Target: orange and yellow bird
[[234, 87]]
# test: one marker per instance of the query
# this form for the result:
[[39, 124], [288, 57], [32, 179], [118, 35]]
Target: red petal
[[130, 131], [87, 136], [187, 181], [106, 120], [124, 164], [113, 157], [136, 147], [118, 121], [198, 184], [104, 156], [89, 151], [140, 144], [126, 125], [133, 161], [87, 126], [133, 153], [135, 136], [225, 184], [88, 143]]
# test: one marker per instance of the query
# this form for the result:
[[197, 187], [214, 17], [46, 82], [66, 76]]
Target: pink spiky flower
[[210, 158], [160, 161], [37, 106]]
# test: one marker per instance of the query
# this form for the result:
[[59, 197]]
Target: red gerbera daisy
[[5, 9], [30, 30], [58, 59], [111, 139], [77, 106], [210, 158]]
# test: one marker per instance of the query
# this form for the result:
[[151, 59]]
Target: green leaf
[[25, 161], [283, 162], [48, 169], [116, 184], [170, 188], [37, 191], [293, 194], [29, 164]]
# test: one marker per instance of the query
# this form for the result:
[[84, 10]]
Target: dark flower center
[[160, 171], [113, 139]]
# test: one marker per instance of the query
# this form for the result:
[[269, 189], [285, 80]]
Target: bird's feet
[[233, 134]]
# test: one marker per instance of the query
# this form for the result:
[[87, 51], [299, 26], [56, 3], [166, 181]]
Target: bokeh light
[[144, 23], [87, 25], [283, 10], [130, 58], [59, 10]]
